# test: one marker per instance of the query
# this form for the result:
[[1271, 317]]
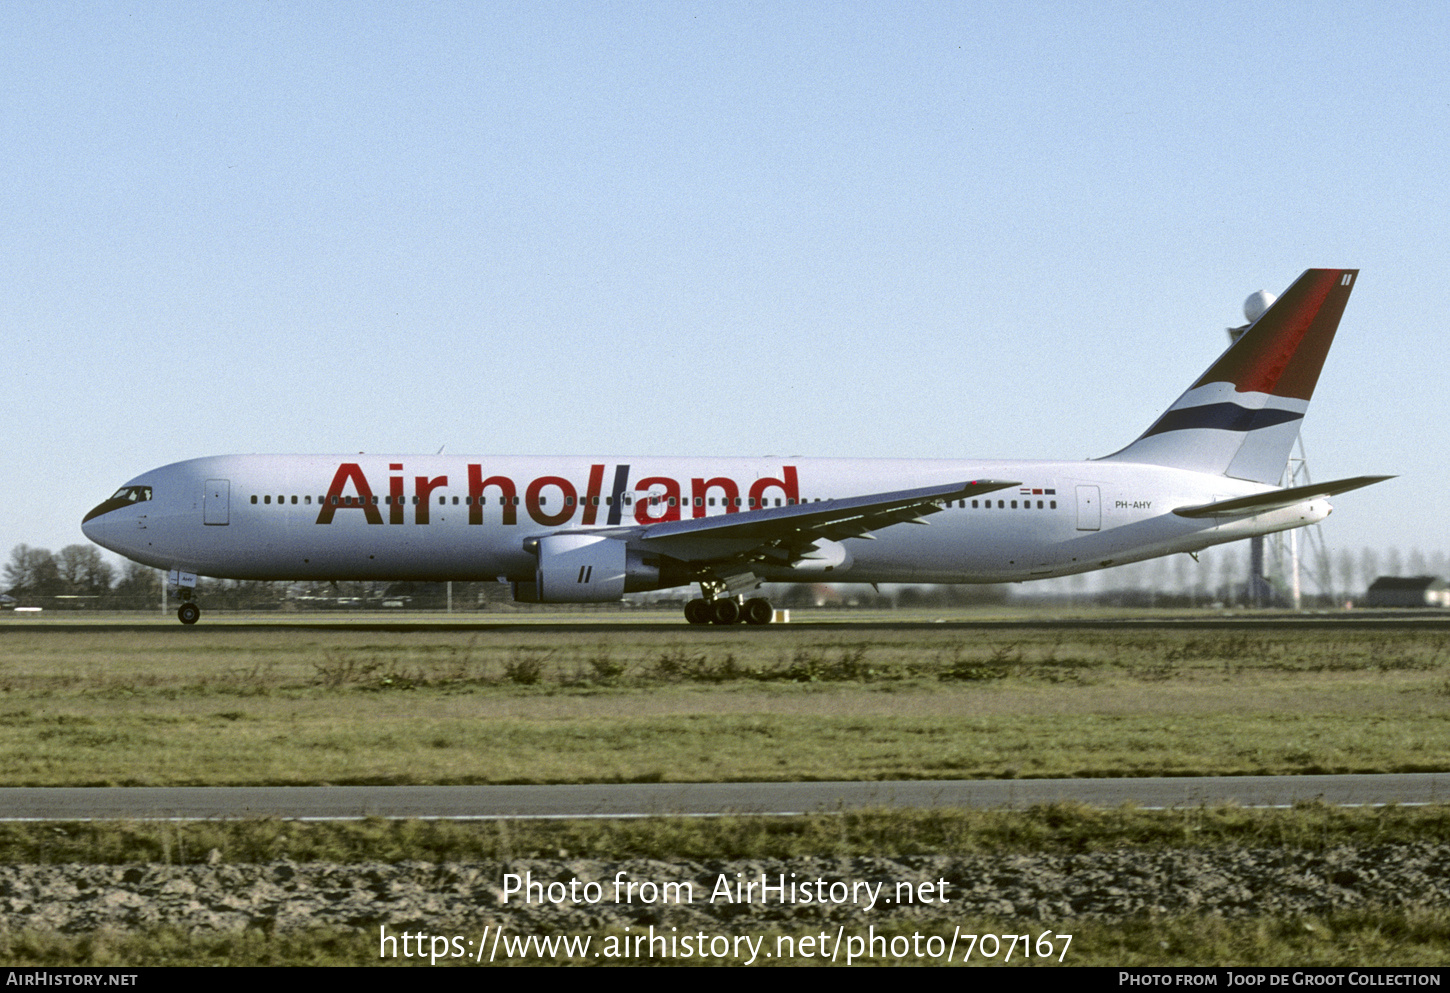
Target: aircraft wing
[[1275, 499], [800, 526]]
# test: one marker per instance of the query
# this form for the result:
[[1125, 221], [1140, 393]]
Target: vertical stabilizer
[[1240, 418]]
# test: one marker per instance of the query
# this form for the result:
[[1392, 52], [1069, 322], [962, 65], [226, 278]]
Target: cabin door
[[1089, 509], [216, 502]]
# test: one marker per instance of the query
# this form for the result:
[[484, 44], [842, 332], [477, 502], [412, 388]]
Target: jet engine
[[583, 568]]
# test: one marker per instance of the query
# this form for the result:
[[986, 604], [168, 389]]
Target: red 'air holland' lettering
[[700, 490], [534, 505], [669, 501], [591, 493], [788, 486], [361, 499], [654, 499], [477, 484], [395, 494], [424, 488]]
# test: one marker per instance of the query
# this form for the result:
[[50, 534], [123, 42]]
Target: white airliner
[[571, 530]]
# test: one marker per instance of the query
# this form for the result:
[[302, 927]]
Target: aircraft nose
[[101, 526], [94, 528]]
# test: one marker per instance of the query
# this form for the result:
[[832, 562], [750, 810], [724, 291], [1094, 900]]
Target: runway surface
[[698, 799], [658, 621]]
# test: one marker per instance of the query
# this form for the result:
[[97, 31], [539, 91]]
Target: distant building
[[1408, 591]]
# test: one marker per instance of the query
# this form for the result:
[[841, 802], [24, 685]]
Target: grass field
[[281, 705], [580, 701]]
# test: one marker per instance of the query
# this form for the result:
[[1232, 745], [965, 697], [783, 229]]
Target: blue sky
[[935, 230]]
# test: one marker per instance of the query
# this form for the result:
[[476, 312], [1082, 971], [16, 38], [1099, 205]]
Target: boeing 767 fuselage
[[569, 530]]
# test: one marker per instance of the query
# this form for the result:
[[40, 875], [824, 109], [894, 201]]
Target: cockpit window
[[131, 494], [126, 496]]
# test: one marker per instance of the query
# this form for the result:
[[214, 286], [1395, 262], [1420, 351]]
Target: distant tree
[[914, 596], [1157, 578], [1369, 567], [1202, 576], [796, 596], [1345, 569], [1394, 565], [1418, 564], [234, 594], [138, 588], [1232, 573], [1179, 565], [32, 571], [83, 571]]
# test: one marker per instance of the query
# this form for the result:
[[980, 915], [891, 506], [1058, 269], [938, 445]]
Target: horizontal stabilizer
[[1261, 503]]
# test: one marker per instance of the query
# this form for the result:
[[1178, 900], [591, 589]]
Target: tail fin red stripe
[[1284, 351]]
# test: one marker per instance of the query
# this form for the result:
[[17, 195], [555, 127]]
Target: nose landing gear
[[183, 583]]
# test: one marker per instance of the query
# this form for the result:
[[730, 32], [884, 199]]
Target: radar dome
[[1256, 304]]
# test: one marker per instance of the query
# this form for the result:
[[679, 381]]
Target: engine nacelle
[[586, 568], [826, 556]]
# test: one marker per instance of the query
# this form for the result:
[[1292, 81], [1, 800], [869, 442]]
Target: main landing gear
[[729, 610]]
